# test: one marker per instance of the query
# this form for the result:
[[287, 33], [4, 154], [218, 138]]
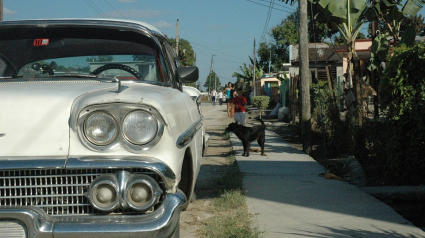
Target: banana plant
[[392, 13], [348, 16], [246, 74]]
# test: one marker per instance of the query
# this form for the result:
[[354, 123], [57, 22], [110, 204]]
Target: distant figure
[[220, 97], [227, 94], [213, 96], [239, 103], [232, 96]]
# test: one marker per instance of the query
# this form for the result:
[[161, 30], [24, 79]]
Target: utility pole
[[215, 82], [215, 75], [177, 38], [305, 110], [1, 10], [270, 61], [209, 77], [253, 74]]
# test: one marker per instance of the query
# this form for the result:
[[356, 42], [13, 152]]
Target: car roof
[[95, 26], [84, 21]]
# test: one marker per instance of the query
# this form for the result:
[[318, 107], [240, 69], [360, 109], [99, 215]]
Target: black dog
[[249, 134]]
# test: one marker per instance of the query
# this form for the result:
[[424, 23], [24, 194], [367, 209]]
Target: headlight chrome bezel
[[119, 111], [90, 138], [128, 137]]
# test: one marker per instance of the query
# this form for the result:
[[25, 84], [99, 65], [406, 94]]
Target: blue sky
[[225, 28]]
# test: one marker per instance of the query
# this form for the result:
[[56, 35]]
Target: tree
[[304, 99], [416, 21], [348, 16], [282, 35], [143, 58], [246, 75], [394, 19], [100, 58], [305, 105], [186, 53], [285, 34], [215, 81], [339, 40], [317, 31], [403, 101]]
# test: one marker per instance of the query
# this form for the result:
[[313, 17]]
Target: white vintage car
[[97, 136]]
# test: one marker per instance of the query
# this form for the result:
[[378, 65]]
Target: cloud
[[8, 12], [137, 14]]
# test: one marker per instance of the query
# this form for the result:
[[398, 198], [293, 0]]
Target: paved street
[[288, 198]]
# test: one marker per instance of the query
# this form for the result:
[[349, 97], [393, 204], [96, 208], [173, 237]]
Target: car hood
[[34, 117]]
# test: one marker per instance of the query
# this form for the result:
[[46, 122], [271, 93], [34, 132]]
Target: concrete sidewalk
[[289, 198]]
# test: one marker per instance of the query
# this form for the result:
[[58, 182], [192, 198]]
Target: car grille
[[56, 191]]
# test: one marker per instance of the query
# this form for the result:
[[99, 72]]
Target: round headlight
[[142, 192], [139, 194], [100, 128], [139, 127], [103, 194]]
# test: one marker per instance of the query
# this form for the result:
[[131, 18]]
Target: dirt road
[[213, 165]]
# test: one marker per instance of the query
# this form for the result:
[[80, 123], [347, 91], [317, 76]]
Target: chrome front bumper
[[160, 223]]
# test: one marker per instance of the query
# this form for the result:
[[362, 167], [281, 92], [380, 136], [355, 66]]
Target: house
[[322, 55]]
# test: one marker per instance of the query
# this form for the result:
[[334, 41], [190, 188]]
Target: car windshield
[[35, 55]]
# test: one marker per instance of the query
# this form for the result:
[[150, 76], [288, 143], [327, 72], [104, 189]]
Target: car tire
[[186, 182]]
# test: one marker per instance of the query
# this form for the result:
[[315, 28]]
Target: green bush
[[402, 95], [325, 120], [261, 102]]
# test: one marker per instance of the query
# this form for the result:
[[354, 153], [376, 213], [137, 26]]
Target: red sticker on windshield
[[41, 42]]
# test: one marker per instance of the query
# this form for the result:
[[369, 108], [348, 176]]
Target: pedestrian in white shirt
[[220, 97], [213, 96]]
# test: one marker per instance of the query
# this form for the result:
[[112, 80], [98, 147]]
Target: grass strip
[[231, 218]]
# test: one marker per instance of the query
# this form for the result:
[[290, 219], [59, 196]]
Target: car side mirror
[[187, 74], [36, 66]]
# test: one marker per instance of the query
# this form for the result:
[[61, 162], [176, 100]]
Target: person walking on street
[[239, 103], [232, 96], [213, 96], [227, 94], [220, 97]]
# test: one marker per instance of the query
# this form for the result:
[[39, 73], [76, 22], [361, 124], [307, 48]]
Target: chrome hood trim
[[186, 137]]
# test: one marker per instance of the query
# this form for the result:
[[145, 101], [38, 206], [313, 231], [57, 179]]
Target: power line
[[239, 45], [116, 10], [273, 7], [266, 25], [92, 5], [217, 51], [279, 5]]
